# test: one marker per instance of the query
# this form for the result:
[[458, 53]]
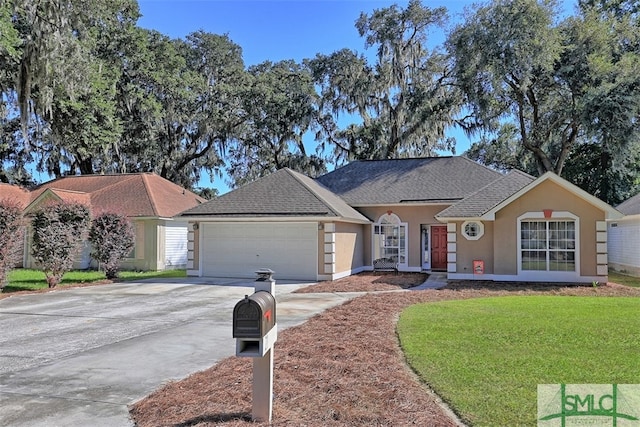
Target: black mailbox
[[254, 316]]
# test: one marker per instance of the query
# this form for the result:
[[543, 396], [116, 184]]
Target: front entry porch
[[434, 247]]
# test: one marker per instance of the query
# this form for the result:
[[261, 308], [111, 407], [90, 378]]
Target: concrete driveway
[[79, 357]]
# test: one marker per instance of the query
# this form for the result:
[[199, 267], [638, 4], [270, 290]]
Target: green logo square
[[564, 405]]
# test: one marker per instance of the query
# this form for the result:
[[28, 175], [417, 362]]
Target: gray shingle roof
[[486, 198], [283, 193], [429, 180], [630, 206]]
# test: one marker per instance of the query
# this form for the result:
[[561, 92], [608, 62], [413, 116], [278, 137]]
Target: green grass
[[31, 280], [485, 357], [623, 279]]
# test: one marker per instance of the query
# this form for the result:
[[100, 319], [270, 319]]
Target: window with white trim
[[472, 230], [390, 240], [548, 245]]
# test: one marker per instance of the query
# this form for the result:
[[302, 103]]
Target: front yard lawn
[[32, 280], [486, 356]]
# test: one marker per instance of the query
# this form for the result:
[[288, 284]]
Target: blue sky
[[269, 29], [277, 30]]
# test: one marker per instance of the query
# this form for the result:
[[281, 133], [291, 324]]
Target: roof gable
[[609, 211], [284, 193], [57, 195], [420, 180]]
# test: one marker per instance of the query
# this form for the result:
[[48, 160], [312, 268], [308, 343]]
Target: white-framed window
[[389, 241], [548, 244], [472, 230]]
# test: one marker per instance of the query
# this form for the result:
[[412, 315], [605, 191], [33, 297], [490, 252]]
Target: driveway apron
[[79, 357]]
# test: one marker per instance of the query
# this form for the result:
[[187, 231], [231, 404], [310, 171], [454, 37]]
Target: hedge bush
[[112, 238]]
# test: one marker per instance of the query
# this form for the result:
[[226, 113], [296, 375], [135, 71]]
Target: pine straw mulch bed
[[369, 282], [343, 367]]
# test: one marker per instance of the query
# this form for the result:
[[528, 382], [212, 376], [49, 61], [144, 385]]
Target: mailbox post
[[256, 330]]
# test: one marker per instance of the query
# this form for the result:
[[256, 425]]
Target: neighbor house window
[[548, 245], [472, 230], [389, 241]]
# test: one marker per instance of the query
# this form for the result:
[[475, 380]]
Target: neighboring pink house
[[429, 214], [149, 200]]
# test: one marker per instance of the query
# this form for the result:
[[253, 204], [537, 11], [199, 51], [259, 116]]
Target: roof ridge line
[[294, 174], [149, 193], [461, 156], [63, 189], [89, 176], [104, 188], [405, 158]]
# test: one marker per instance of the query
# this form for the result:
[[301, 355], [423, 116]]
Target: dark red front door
[[439, 247]]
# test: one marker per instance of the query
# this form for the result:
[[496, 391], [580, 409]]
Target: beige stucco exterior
[[321, 250], [349, 247], [148, 252], [340, 249], [414, 216], [468, 251], [498, 247]]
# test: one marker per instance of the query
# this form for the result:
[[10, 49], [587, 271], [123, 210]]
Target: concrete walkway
[[434, 281], [80, 357]]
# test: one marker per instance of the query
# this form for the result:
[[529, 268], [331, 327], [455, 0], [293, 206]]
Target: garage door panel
[[238, 250], [176, 245]]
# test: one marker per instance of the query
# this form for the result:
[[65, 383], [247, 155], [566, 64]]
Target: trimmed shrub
[[11, 238], [59, 230], [112, 238]]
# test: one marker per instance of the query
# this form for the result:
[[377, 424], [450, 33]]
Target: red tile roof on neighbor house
[[16, 194], [134, 194], [72, 196]]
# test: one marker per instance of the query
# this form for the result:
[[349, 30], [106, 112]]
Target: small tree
[[58, 232], [11, 235], [112, 238]]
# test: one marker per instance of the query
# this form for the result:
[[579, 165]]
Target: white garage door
[[238, 250], [176, 245]]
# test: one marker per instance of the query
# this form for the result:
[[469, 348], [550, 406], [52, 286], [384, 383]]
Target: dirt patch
[[335, 369]]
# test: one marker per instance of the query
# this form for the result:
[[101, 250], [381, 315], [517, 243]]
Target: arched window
[[389, 242]]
